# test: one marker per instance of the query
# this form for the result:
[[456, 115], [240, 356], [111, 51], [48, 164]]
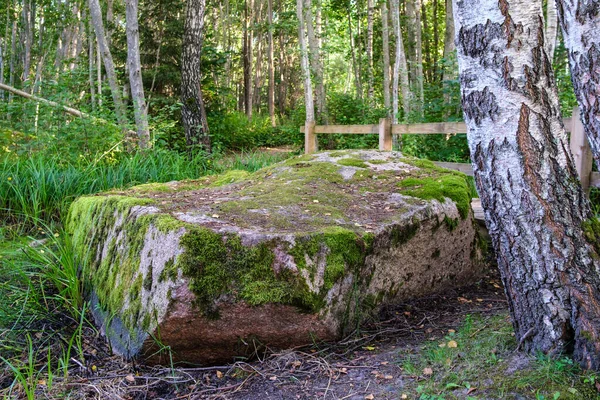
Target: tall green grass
[[41, 188]]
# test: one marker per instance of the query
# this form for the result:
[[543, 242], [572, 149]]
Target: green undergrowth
[[41, 188], [478, 361]]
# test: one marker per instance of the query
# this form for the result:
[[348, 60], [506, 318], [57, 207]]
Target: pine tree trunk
[[534, 206], [271, 96], [192, 110], [551, 28], [579, 22], [135, 74], [282, 81], [109, 66], [386, 56], [308, 90]]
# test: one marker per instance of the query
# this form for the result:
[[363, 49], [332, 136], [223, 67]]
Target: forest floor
[[455, 345]]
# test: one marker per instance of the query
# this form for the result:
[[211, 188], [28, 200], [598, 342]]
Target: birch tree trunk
[[580, 23], [11, 66], [315, 61], [247, 55], [386, 56], [308, 90], [551, 29], [27, 39], [109, 66], [271, 96], [371, 88], [535, 209], [135, 74], [449, 67], [192, 110], [91, 58], [400, 69], [413, 11]]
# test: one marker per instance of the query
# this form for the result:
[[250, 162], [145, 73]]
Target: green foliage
[[233, 131]]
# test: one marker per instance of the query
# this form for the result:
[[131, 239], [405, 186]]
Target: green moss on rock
[[438, 188], [352, 162]]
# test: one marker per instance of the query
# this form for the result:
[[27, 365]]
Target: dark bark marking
[[475, 41], [479, 105], [587, 10]]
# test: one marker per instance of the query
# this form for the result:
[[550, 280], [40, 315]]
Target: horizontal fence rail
[[582, 154]]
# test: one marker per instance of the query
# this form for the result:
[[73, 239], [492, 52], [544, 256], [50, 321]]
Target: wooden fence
[[580, 148]]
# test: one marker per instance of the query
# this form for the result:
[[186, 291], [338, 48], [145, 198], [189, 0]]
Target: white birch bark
[[551, 28], [400, 75], [534, 206], [308, 89], [109, 66], [271, 94], [315, 60], [135, 74], [580, 23], [371, 88], [386, 56]]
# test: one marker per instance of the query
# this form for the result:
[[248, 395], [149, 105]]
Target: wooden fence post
[[385, 134], [310, 138], [580, 148]]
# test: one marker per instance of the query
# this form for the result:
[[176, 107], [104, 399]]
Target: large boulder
[[300, 251]]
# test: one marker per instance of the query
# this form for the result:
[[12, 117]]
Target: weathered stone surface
[[302, 250]]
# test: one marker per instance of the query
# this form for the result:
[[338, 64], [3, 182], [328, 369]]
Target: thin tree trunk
[[425, 38], [436, 40], [110, 21], [4, 47], [13, 50], [355, 68], [579, 22], [551, 29], [308, 90], [413, 11], [247, 56], [99, 73], [282, 60], [315, 61], [109, 66], [192, 110], [386, 56], [534, 206], [371, 89], [91, 58], [271, 96], [135, 74], [449, 70], [400, 80], [27, 39]]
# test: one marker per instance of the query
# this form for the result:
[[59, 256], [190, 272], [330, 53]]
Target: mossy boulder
[[300, 251]]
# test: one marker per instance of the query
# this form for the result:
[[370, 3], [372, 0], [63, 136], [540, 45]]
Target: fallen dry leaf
[[452, 344], [369, 397], [427, 371], [130, 378], [219, 374]]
